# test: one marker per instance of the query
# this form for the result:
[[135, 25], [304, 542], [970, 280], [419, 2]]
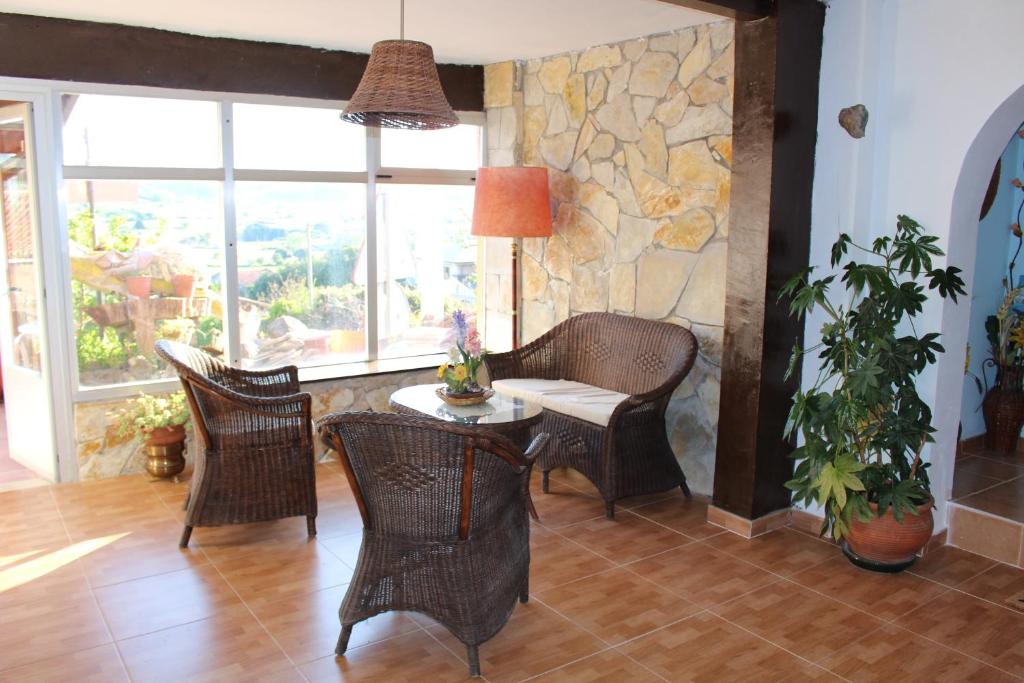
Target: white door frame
[[53, 258]]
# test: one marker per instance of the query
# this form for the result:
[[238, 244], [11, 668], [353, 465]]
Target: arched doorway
[[972, 183]]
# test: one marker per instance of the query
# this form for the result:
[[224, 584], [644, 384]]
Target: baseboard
[[748, 528]]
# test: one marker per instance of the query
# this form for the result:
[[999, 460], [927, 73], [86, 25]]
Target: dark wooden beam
[[741, 10], [91, 52], [775, 119]]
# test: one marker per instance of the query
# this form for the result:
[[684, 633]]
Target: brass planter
[[165, 448]]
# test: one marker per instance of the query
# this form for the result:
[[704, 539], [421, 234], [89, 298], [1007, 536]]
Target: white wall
[[995, 248], [943, 83]]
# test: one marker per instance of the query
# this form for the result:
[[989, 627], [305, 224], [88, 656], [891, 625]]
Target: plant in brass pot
[[159, 422], [862, 424]]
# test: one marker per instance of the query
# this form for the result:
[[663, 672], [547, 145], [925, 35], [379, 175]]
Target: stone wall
[[637, 137], [102, 454]]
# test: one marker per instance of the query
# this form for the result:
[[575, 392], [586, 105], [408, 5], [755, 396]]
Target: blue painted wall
[[995, 248]]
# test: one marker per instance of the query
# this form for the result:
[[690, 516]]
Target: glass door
[[28, 408]]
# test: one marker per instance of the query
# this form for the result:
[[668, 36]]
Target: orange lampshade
[[512, 202]]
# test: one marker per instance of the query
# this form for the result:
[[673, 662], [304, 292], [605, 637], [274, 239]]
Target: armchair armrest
[[536, 447]]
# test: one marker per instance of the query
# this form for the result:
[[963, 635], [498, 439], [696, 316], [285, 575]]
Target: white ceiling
[[461, 31]]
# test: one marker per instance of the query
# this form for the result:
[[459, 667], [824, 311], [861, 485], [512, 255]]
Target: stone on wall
[[499, 83], [652, 74], [640, 198], [661, 277]]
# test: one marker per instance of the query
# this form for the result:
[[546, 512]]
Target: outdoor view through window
[[150, 207]]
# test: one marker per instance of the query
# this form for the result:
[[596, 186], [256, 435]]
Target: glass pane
[[145, 265], [449, 148], [106, 130], [300, 301], [426, 266], [296, 139], [16, 209]]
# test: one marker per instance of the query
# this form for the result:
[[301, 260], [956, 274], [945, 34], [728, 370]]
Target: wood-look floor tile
[[411, 658], [47, 628], [149, 604], [96, 665], [989, 467], [686, 515], [229, 646], [108, 506], [626, 538], [609, 666], [564, 505], [307, 626], [783, 612], [147, 550], [950, 566], [1005, 500], [230, 539], [535, 640], [617, 605], [275, 572], [885, 596], [41, 574], [997, 584], [892, 653], [345, 548], [963, 622], [783, 551], [707, 649], [702, 575], [967, 483], [340, 519], [555, 560]]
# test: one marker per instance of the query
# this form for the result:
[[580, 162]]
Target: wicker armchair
[[255, 460], [644, 359], [445, 527]]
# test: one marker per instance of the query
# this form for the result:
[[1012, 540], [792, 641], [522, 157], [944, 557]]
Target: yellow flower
[[1017, 336], [441, 369], [460, 373]]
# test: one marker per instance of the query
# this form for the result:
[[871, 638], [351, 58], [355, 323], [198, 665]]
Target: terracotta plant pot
[[139, 285], [183, 285], [165, 449], [885, 545]]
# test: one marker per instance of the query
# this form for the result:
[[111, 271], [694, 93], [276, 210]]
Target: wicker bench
[[605, 381]]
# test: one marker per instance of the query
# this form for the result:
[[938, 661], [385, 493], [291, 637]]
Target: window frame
[[227, 175]]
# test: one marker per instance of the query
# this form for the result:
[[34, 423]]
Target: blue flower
[[461, 328]]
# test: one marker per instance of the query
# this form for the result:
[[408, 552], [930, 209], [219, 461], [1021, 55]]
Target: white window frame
[[67, 374]]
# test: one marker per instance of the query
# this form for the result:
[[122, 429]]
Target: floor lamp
[[512, 202]]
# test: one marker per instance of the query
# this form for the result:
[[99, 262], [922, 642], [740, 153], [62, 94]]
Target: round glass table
[[506, 415]]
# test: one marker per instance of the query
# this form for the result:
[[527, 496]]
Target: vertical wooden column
[[775, 116]]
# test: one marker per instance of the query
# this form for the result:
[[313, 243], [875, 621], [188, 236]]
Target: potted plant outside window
[[159, 422], [862, 425]]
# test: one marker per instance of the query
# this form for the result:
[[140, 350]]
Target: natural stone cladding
[[102, 454], [637, 137]]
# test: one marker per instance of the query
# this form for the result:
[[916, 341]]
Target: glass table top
[[497, 410]]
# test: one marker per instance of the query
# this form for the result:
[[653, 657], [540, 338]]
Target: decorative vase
[[183, 285], [886, 545], [1003, 410], [139, 285], [165, 447]]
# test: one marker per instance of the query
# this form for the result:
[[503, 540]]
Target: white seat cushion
[[582, 401]]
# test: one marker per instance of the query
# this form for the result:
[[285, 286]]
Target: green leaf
[[947, 281], [839, 248]]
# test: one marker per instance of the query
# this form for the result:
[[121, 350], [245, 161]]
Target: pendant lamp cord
[[401, 22]]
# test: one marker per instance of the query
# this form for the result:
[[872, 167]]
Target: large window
[[245, 229]]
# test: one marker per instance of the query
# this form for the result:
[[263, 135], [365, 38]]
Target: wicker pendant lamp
[[400, 88]]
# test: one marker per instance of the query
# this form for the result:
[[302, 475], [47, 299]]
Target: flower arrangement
[[464, 359], [149, 412]]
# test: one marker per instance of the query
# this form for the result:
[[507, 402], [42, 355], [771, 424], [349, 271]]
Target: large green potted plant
[[861, 424]]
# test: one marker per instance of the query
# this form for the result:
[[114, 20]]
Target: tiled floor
[[94, 588], [991, 482]]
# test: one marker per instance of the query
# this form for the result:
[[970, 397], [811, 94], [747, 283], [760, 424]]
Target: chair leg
[[311, 525], [346, 631], [545, 484], [524, 592], [474, 659], [686, 490], [185, 535], [609, 509]]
